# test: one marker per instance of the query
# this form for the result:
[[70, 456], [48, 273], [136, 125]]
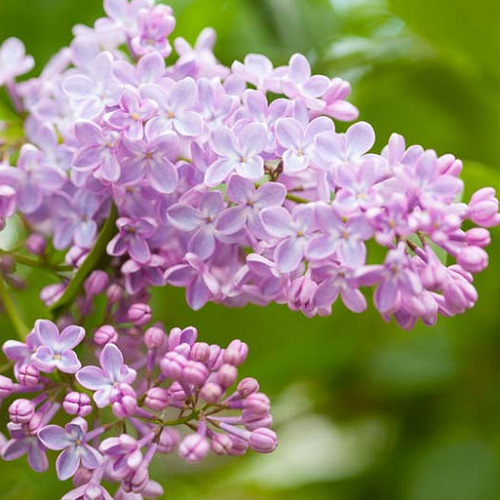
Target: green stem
[[96, 259], [21, 329], [296, 199]]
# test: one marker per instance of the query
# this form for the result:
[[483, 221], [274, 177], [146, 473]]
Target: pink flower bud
[[263, 440], [156, 398], [169, 440], [52, 293], [254, 421], [473, 259], [172, 365], [195, 373], [221, 444], [216, 358], [6, 387], [123, 400], [139, 314], [227, 375], [200, 352], [239, 446], [105, 334], [248, 386], [236, 353], [194, 448], [77, 403], [483, 208], [176, 392], [28, 375], [21, 411], [257, 403], [478, 236], [36, 244], [154, 337], [96, 283], [211, 392], [35, 423], [114, 293]]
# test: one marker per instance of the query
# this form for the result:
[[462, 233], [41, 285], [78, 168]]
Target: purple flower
[[21, 352], [300, 84], [292, 230], [132, 115], [200, 284], [103, 380], [132, 238], [98, 153], [56, 349], [22, 442], [155, 159], [250, 202], [13, 60], [73, 441], [346, 238], [299, 144], [175, 106], [237, 153], [201, 222]]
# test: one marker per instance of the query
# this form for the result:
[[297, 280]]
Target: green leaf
[[96, 259]]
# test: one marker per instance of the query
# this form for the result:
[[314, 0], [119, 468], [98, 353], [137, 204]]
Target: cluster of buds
[[173, 382]]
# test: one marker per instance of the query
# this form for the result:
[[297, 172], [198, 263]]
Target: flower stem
[[296, 199], [21, 329]]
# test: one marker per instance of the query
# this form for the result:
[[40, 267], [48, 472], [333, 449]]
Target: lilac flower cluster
[[229, 192], [172, 381], [231, 182]]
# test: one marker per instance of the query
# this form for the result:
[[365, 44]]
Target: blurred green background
[[364, 410]]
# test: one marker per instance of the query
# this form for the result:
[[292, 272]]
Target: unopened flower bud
[[156, 398], [139, 314], [105, 334], [96, 283], [483, 208], [77, 403], [21, 411], [172, 365], [473, 259], [221, 444], [36, 244], [200, 352], [211, 392], [195, 373], [154, 337], [6, 387], [227, 375], [248, 386], [194, 448], [263, 440], [478, 236], [236, 353], [28, 375], [114, 293], [168, 441], [257, 403]]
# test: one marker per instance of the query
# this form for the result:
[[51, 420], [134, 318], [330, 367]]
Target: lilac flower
[[175, 106], [299, 144], [240, 154], [257, 70], [200, 284], [21, 352], [155, 159], [201, 222], [103, 380], [56, 349], [73, 441], [21, 443], [132, 238], [346, 238], [300, 84], [13, 60], [98, 153], [292, 230], [398, 281], [132, 115]]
